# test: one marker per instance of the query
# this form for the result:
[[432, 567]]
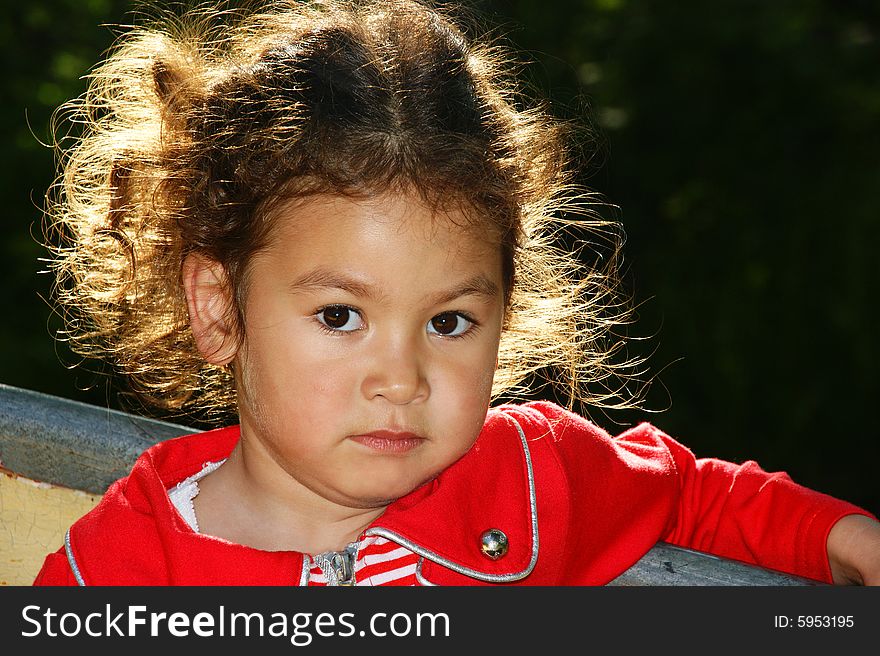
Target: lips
[[389, 441]]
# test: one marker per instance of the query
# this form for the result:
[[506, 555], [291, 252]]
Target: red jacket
[[578, 507]]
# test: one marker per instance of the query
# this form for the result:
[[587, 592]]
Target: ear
[[209, 300]]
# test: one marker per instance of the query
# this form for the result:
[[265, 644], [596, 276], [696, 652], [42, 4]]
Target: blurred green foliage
[[46, 46], [740, 140]]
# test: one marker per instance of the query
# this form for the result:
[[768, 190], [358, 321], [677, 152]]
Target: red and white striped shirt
[[377, 561]]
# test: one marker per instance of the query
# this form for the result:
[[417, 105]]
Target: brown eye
[[449, 324], [340, 317]]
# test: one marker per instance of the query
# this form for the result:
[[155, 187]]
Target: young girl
[[337, 221]]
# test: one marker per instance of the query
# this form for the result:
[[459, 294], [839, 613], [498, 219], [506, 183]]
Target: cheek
[[315, 384], [489, 365], [470, 385], [324, 384]]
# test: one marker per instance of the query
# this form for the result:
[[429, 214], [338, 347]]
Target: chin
[[381, 496]]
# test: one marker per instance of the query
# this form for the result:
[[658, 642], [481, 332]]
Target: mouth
[[389, 441]]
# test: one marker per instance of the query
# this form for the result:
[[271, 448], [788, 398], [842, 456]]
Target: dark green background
[[740, 140]]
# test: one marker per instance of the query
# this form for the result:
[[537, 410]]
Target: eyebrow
[[321, 278]]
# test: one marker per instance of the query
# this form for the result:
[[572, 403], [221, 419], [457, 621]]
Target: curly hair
[[195, 127]]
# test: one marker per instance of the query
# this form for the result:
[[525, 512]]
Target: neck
[[253, 501]]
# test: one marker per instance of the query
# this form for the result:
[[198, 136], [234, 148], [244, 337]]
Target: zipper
[[338, 566]]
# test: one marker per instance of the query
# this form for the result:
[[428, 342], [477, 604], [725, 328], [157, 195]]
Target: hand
[[854, 551]]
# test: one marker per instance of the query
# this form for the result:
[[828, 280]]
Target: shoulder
[[602, 500], [124, 537], [55, 571], [159, 469], [624, 470], [642, 445]]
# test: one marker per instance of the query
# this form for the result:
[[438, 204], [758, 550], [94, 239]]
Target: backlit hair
[[194, 128]]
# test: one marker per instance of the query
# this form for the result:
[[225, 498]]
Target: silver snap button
[[493, 543]]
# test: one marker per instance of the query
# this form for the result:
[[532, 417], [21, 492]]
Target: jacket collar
[[491, 487]]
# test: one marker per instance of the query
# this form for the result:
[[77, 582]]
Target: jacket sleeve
[[55, 571], [643, 486], [742, 512]]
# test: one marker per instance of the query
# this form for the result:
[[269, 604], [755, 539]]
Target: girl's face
[[370, 343]]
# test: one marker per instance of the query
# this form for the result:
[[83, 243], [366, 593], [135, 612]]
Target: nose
[[396, 373]]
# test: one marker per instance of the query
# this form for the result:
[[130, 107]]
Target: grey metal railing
[[84, 447]]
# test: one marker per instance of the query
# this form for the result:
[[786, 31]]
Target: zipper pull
[[338, 566]]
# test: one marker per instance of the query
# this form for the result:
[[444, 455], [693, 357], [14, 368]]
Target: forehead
[[381, 225]]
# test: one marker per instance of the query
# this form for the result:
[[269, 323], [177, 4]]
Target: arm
[[659, 491], [854, 551], [746, 513]]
